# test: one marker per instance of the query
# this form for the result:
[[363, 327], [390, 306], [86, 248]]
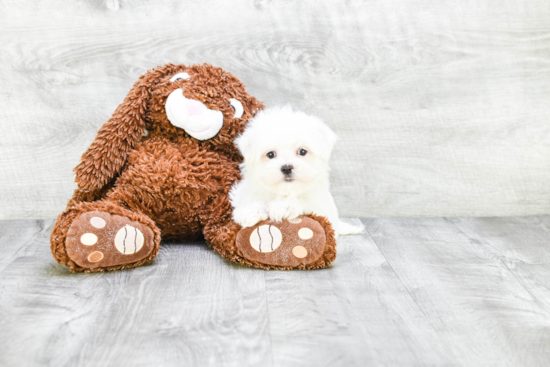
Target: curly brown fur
[[142, 167], [143, 108], [167, 179]]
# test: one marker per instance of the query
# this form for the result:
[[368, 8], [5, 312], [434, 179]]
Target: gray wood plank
[[15, 235], [486, 315], [357, 313], [187, 308], [523, 246], [409, 292], [441, 106]]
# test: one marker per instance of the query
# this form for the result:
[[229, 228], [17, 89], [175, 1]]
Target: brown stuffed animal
[[163, 165]]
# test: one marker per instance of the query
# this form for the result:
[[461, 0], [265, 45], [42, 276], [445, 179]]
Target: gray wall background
[[442, 107]]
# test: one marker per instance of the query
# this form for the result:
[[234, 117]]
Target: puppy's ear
[[107, 154], [245, 144], [324, 139]]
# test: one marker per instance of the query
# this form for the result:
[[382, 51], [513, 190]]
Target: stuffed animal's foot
[[287, 244], [101, 240]]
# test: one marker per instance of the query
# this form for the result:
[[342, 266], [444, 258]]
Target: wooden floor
[[409, 292]]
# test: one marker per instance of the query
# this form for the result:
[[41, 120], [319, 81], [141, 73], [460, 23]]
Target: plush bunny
[[163, 165]]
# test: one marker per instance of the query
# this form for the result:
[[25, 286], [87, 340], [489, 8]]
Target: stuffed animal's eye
[[302, 152], [180, 76], [271, 155], [238, 107]]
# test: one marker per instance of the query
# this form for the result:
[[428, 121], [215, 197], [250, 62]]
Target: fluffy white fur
[[265, 190]]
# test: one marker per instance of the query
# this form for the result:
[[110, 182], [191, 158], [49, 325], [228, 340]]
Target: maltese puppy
[[285, 170]]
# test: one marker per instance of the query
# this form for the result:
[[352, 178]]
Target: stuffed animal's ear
[[254, 106], [106, 156]]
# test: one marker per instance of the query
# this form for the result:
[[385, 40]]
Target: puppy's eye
[[180, 76], [237, 106], [271, 155], [302, 152]]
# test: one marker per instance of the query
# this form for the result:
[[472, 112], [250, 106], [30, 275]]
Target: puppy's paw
[[279, 210], [249, 215]]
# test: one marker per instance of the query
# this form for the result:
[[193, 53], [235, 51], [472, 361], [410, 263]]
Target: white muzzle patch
[[193, 116]]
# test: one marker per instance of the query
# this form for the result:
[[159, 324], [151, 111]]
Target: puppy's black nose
[[287, 169]]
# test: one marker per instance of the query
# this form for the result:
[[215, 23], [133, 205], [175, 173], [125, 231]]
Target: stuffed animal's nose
[[195, 107], [287, 169]]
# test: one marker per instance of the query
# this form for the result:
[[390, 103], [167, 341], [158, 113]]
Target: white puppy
[[285, 170]]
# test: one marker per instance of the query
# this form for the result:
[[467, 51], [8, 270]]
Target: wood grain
[[409, 292], [441, 106], [188, 307], [357, 313], [483, 311]]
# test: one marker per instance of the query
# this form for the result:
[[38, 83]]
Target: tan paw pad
[[99, 239], [88, 239], [305, 233], [294, 242], [128, 240], [97, 222], [266, 238], [95, 256], [299, 251]]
